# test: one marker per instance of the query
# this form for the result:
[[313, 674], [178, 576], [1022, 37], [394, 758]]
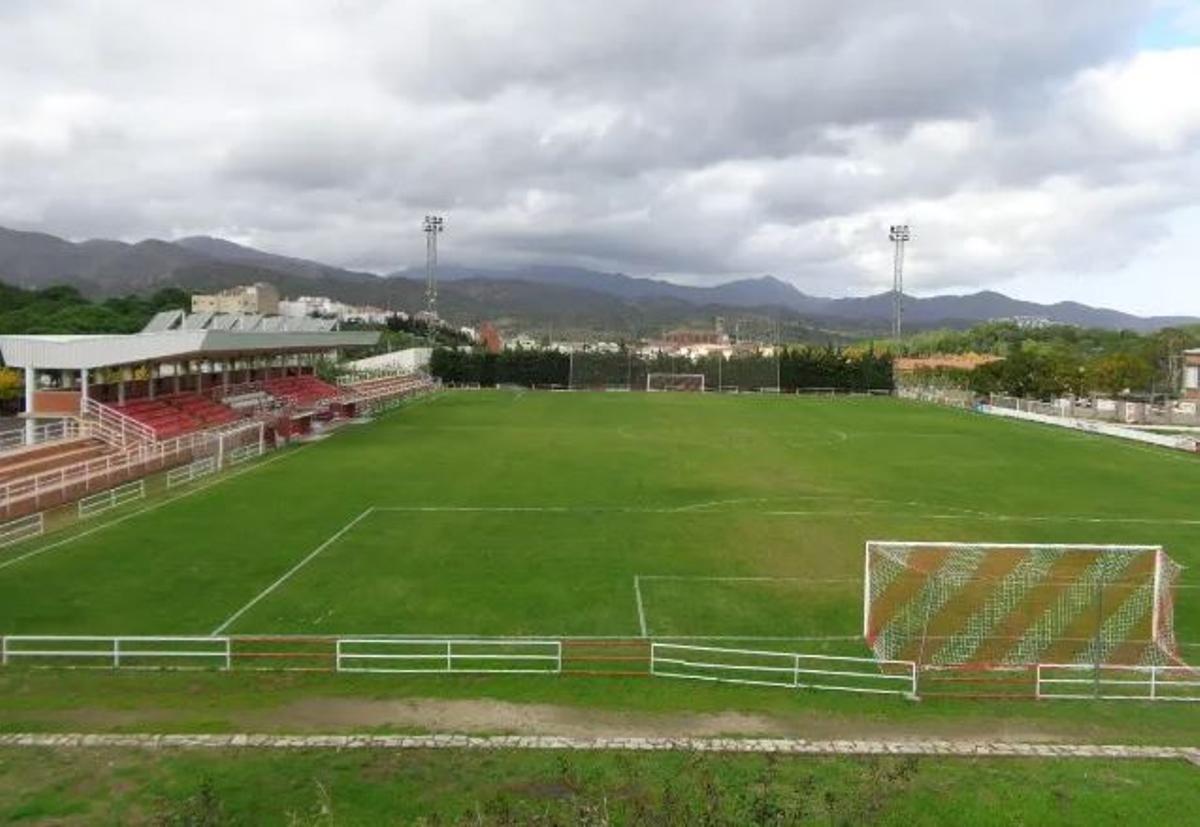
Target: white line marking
[[637, 592], [291, 571], [167, 500], [707, 505], [985, 517], [979, 516], [715, 579]]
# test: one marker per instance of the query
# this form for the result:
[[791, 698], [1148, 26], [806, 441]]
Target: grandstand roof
[[178, 320], [97, 351]]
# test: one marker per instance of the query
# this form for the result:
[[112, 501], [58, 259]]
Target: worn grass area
[[497, 513], [315, 787]]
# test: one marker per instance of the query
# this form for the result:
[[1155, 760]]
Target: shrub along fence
[[793, 369]]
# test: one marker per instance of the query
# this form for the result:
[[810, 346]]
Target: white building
[[331, 308]]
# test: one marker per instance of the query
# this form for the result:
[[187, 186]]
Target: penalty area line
[[283, 579], [977, 516]]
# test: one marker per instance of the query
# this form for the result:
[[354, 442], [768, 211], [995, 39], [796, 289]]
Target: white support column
[[867, 593], [121, 388], [30, 386], [83, 389], [1155, 604]]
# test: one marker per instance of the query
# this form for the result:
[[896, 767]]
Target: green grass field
[[308, 787], [498, 513]]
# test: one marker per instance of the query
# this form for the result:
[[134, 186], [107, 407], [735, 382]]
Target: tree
[[10, 384], [1120, 372]]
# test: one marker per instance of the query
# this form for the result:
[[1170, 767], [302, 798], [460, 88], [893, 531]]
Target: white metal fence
[[123, 430], [22, 529], [52, 487], [134, 652], [244, 453], [1180, 442], [46, 432], [793, 670], [1113, 682], [99, 503], [192, 471], [493, 656]]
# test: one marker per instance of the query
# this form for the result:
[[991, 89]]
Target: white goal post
[[1016, 604], [675, 382]]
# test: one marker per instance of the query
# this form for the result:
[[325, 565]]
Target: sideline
[[311, 555]]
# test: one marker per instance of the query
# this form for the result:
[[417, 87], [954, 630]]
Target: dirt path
[[490, 717]]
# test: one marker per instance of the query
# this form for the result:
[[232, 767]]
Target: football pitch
[[497, 513]]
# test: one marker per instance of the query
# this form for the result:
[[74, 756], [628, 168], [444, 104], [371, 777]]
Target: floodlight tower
[[433, 228], [899, 235]]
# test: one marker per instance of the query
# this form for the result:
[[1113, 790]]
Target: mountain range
[[568, 299]]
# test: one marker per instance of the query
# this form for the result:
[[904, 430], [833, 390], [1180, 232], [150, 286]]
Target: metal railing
[[245, 453], [839, 673], [120, 426], [490, 656], [91, 651], [99, 503], [14, 532], [98, 472], [192, 471], [1117, 682], [65, 428]]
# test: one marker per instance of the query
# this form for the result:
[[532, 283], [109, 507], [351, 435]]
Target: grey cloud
[[703, 140]]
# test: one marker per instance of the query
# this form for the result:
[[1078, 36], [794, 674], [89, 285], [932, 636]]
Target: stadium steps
[[302, 391], [178, 414], [48, 458]]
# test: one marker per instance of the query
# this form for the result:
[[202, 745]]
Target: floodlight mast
[[899, 235], [434, 225]]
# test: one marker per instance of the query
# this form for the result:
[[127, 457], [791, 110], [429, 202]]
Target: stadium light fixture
[[434, 225], [899, 234]]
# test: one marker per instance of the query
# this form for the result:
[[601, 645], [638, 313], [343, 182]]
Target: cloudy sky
[[1047, 148]]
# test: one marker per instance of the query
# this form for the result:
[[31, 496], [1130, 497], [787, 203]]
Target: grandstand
[[100, 410]]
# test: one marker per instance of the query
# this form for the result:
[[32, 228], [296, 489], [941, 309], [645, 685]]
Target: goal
[[997, 605], [675, 381]]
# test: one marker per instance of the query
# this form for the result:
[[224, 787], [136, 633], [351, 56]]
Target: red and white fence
[[544, 656]]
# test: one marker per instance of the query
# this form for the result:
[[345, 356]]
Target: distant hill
[[769, 291], [568, 300]]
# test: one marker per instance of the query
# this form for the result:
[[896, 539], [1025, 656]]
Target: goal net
[[991, 605], [674, 381]]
